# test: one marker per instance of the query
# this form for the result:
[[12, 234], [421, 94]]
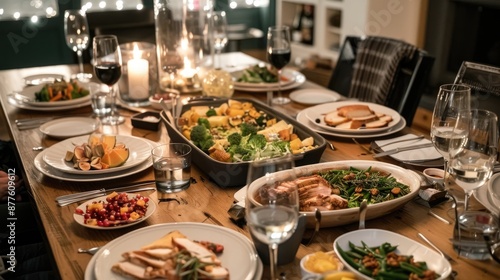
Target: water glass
[[172, 167], [101, 100], [470, 231]]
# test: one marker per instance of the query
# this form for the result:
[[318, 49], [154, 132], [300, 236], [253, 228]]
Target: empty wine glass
[[450, 101], [279, 54], [219, 32], [108, 69], [76, 31], [272, 203]]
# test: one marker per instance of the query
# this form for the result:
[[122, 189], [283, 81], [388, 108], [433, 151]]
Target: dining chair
[[483, 79], [382, 70]]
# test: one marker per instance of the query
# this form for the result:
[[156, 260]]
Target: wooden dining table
[[204, 201]]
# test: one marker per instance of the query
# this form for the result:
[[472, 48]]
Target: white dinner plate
[[16, 102], [299, 79], [49, 171], [89, 270], [302, 118], [314, 96], [483, 195], [39, 79], [331, 218], [79, 218], [69, 127], [27, 96], [316, 115], [139, 151], [239, 256], [406, 246], [417, 155], [287, 77]]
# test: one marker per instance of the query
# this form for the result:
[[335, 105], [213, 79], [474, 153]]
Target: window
[[15, 10]]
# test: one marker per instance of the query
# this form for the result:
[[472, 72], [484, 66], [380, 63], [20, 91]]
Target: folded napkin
[[423, 154]]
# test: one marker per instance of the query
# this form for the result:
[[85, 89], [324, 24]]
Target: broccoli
[[201, 137], [234, 138], [261, 120], [204, 122], [256, 142], [211, 112], [248, 129]]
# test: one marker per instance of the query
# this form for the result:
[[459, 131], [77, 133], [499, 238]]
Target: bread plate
[[316, 115], [233, 174], [406, 246], [331, 218]]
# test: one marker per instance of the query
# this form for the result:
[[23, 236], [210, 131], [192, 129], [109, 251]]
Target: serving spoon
[[90, 251]]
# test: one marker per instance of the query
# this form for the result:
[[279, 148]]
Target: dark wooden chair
[[406, 89]]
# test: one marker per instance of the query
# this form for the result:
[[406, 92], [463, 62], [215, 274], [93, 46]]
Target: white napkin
[[424, 154]]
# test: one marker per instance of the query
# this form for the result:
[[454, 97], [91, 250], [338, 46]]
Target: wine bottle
[[307, 25]]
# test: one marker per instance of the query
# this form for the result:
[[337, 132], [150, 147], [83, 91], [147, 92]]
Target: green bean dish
[[354, 185], [383, 262]]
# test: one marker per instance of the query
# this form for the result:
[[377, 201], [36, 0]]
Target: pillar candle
[[138, 76]]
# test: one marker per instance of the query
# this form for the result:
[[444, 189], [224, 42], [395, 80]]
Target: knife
[[402, 149]]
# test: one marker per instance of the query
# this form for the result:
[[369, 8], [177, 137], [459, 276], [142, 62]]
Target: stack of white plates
[[313, 117], [51, 161]]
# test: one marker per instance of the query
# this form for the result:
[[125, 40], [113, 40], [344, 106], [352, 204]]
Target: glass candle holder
[[139, 74]]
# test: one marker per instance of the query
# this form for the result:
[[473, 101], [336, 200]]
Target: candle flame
[[136, 52]]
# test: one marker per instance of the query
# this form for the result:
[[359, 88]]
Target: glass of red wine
[[108, 69], [279, 54]]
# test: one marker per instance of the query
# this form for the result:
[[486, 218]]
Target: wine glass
[[108, 69], [76, 30], [472, 160], [272, 203], [219, 33], [451, 99], [279, 54]]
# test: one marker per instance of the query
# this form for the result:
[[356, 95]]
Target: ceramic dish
[[39, 79], [239, 255], [79, 218], [316, 115], [139, 151], [49, 171], [233, 174], [18, 103], [299, 79], [314, 96], [89, 270], [423, 154], [331, 218], [287, 77], [27, 96], [69, 127], [494, 190], [406, 246], [301, 118]]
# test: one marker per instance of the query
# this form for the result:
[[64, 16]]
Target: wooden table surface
[[66, 236]]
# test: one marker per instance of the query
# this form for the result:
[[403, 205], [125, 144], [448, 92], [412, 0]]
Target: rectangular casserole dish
[[234, 174]]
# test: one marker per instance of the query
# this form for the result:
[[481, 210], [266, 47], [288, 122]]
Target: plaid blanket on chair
[[375, 67]]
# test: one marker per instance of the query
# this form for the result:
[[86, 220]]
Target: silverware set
[[76, 197]]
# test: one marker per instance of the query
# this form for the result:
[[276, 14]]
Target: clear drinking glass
[[279, 54], [108, 69], [219, 33], [272, 203], [471, 166], [76, 31], [450, 101]]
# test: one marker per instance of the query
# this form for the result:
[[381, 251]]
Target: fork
[[362, 147], [317, 218]]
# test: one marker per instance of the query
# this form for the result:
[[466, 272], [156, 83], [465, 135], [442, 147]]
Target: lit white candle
[[188, 72], [138, 76]]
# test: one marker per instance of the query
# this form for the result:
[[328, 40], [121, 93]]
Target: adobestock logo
[[377, 20], [28, 31]]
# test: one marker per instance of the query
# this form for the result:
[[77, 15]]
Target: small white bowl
[[434, 175], [308, 274], [154, 101]]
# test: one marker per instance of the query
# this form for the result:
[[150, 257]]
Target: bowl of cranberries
[[115, 210]]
